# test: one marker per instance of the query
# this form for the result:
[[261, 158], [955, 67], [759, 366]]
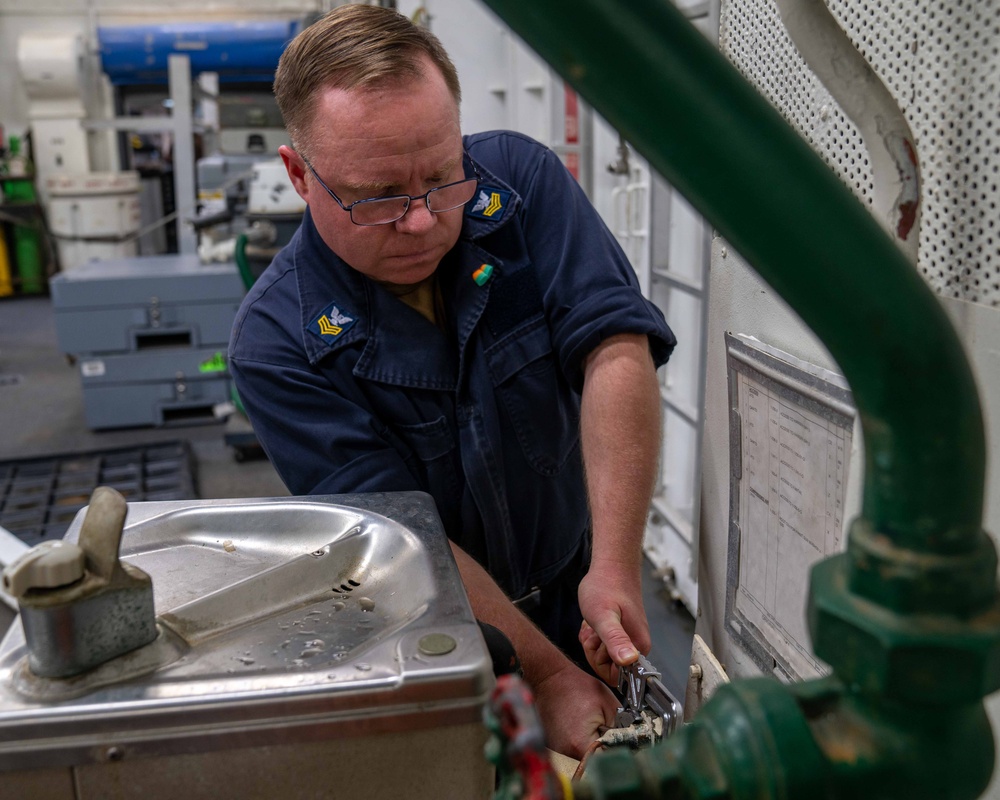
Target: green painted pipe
[[701, 125], [909, 617]]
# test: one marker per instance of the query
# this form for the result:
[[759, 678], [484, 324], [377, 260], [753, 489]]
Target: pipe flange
[[931, 659]]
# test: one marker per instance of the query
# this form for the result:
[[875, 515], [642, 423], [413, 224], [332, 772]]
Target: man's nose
[[418, 217]]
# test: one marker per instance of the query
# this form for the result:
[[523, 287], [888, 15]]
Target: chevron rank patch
[[331, 323], [489, 203]]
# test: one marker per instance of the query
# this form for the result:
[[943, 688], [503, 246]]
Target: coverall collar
[[401, 346]]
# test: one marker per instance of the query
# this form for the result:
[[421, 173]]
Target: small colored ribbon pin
[[483, 274]]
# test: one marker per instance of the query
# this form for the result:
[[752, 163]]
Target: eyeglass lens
[[389, 209]]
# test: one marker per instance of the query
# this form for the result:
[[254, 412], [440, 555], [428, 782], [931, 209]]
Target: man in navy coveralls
[[453, 317]]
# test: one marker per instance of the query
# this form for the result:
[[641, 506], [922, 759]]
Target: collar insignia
[[330, 323], [489, 203]]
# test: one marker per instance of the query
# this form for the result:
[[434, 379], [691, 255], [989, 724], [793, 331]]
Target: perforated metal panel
[[940, 62]]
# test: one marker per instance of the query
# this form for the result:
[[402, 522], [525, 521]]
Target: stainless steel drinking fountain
[[302, 647]]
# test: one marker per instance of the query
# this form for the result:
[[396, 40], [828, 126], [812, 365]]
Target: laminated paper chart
[[790, 443]]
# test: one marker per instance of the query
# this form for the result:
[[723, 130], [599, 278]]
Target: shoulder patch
[[331, 323], [489, 203]]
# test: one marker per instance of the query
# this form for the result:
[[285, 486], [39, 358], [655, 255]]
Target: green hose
[[241, 262]]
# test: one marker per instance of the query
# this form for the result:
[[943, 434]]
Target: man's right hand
[[574, 706], [575, 709]]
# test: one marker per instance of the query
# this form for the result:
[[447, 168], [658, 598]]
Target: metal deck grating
[[39, 497]]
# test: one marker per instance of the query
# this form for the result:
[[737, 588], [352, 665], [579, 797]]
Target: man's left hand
[[615, 630]]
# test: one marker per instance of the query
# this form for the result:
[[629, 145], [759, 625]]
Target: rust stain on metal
[[986, 622], [907, 216], [845, 738], [908, 208]]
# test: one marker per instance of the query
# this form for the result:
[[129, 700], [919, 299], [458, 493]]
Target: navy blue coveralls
[[351, 390]]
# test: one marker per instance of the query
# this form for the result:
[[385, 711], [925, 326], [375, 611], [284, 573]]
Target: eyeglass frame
[[409, 197]]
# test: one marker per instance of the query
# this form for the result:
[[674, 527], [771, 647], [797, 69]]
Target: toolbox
[[145, 303], [149, 334], [306, 647], [159, 388]]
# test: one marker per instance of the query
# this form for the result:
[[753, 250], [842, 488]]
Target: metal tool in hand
[[645, 697]]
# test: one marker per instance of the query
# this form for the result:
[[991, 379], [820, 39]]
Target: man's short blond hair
[[351, 47]]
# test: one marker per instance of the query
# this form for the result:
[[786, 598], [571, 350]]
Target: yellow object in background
[[6, 285]]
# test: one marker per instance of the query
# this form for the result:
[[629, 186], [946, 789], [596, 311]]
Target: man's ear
[[296, 168]]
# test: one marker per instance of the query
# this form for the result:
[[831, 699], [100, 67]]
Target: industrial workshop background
[[132, 135]]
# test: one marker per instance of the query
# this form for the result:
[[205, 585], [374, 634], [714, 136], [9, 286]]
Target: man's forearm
[[539, 657], [620, 429], [620, 434], [574, 707]]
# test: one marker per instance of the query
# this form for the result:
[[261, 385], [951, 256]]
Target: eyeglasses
[[383, 210]]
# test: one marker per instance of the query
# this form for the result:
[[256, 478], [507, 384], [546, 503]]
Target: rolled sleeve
[[602, 316], [590, 289]]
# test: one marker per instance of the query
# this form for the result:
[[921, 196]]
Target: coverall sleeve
[[322, 439], [589, 288]]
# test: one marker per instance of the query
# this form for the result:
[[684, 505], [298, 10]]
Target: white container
[[94, 215], [271, 191]]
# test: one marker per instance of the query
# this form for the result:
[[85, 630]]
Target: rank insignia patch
[[331, 323], [490, 203]]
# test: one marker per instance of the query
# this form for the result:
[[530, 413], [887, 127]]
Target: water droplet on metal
[[366, 603], [313, 647], [363, 667]]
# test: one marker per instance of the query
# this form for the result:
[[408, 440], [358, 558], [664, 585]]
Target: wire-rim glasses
[[385, 210]]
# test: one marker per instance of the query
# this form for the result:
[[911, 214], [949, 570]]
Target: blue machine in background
[[245, 51]]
